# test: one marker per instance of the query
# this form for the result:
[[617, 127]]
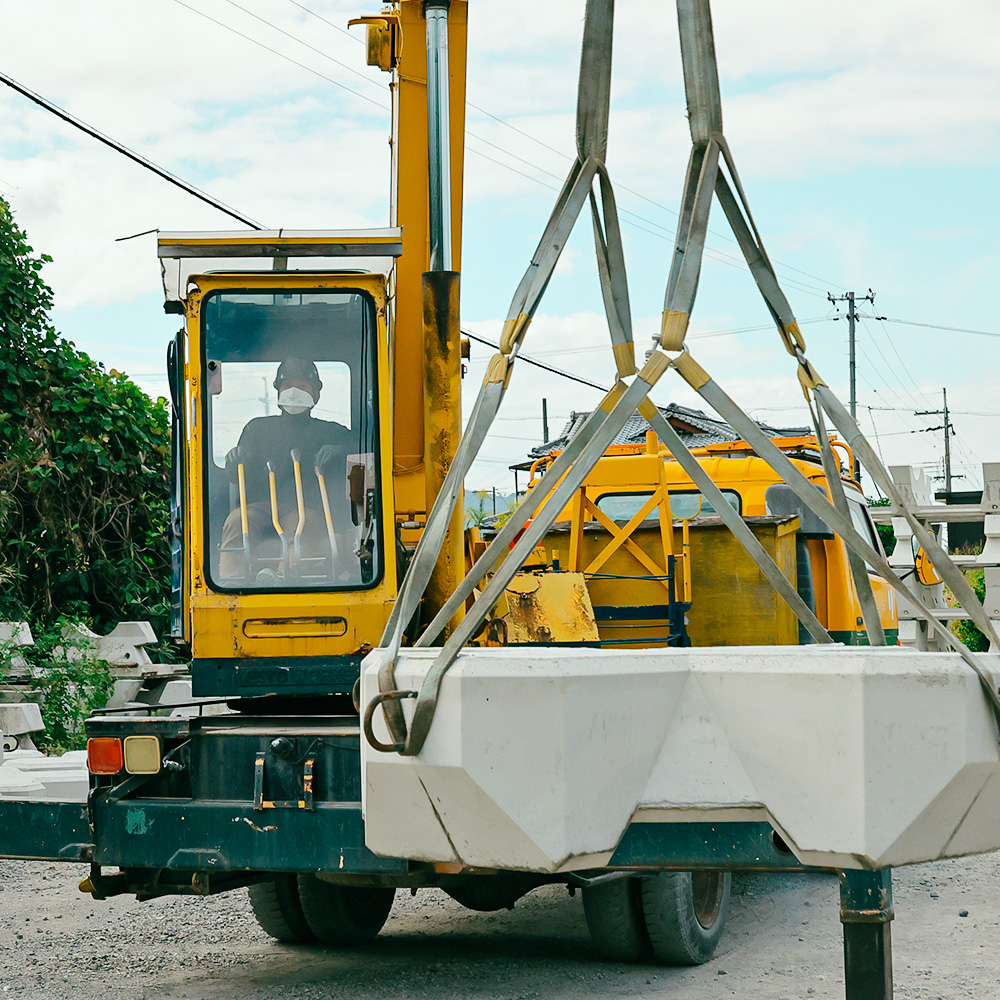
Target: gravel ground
[[783, 941]]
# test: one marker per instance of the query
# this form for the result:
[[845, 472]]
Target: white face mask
[[294, 400]]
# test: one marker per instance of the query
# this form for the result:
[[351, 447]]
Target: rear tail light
[[105, 755], [142, 754]]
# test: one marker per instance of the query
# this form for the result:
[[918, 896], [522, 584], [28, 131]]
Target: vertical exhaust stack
[[442, 369], [438, 135]]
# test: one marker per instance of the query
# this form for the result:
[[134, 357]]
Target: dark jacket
[[271, 439]]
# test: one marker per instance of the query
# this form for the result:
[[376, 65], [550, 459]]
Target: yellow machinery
[[266, 529], [653, 551]]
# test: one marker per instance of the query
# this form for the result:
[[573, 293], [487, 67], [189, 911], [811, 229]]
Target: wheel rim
[[707, 890]]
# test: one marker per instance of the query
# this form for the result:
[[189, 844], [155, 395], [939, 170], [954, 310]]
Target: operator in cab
[[265, 448]]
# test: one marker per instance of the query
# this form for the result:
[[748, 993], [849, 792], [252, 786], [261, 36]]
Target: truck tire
[[343, 915], [685, 914], [615, 920], [276, 906]]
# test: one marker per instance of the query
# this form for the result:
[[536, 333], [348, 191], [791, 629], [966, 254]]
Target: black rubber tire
[[685, 914], [278, 910], [615, 920], [343, 915]]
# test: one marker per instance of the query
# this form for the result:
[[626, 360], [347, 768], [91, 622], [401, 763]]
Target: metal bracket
[[260, 803]]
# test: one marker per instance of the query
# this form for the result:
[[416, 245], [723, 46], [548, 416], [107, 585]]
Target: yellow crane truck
[[315, 387]]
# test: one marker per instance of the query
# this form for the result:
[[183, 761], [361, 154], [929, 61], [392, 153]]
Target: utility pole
[[948, 429], [545, 421], [852, 317]]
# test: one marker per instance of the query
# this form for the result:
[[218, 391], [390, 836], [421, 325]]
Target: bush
[[84, 469], [966, 630], [885, 532]]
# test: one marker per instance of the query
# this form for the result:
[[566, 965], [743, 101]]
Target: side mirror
[[925, 571]]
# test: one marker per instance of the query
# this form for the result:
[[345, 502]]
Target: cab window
[[290, 440], [684, 504]]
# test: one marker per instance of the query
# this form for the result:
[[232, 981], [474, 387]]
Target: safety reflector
[[142, 754], [104, 755]]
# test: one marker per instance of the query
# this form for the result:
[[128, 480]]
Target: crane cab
[[284, 568]]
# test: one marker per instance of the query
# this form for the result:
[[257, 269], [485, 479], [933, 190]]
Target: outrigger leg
[[866, 913]]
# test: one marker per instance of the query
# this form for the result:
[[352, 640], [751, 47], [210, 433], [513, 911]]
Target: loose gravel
[[783, 943]]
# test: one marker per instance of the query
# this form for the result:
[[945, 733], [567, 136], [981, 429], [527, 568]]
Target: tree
[[84, 454]]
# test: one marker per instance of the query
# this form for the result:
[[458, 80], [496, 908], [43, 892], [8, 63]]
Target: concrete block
[[15, 634], [539, 758], [25, 717]]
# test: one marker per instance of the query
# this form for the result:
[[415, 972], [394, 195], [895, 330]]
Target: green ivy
[[84, 456]]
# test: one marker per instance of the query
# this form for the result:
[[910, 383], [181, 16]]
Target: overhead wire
[[937, 326], [537, 364], [719, 255], [120, 147], [282, 55]]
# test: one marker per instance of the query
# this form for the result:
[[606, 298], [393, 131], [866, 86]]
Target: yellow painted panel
[[549, 607]]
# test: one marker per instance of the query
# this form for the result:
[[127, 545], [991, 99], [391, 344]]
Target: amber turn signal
[[105, 755]]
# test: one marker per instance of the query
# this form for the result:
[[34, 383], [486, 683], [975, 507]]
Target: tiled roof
[[695, 428]]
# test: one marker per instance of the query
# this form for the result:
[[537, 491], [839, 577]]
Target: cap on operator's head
[[298, 368]]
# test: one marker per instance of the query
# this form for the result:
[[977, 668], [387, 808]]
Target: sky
[[867, 137]]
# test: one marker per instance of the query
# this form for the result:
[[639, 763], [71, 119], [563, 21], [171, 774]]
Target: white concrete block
[[538, 759], [15, 634], [16, 784], [23, 717]]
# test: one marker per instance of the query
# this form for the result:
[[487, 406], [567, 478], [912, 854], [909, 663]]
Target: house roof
[[695, 428]]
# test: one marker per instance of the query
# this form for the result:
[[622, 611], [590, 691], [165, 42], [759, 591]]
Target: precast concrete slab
[[540, 758]]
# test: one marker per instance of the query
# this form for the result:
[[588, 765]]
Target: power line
[[964, 413], [119, 147], [935, 326], [295, 38], [538, 364], [343, 31], [281, 55]]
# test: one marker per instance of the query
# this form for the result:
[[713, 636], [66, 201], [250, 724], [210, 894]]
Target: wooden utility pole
[[948, 429], [852, 317]]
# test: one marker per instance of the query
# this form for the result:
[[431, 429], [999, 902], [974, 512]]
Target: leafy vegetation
[[477, 514], [885, 532], [84, 456]]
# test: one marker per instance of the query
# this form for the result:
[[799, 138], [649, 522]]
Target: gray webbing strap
[[811, 497], [689, 247], [950, 573], [436, 527], [701, 74], [859, 569], [426, 555], [760, 266], [592, 119], [680, 452], [571, 199], [705, 113], [524, 511], [605, 432], [611, 270]]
